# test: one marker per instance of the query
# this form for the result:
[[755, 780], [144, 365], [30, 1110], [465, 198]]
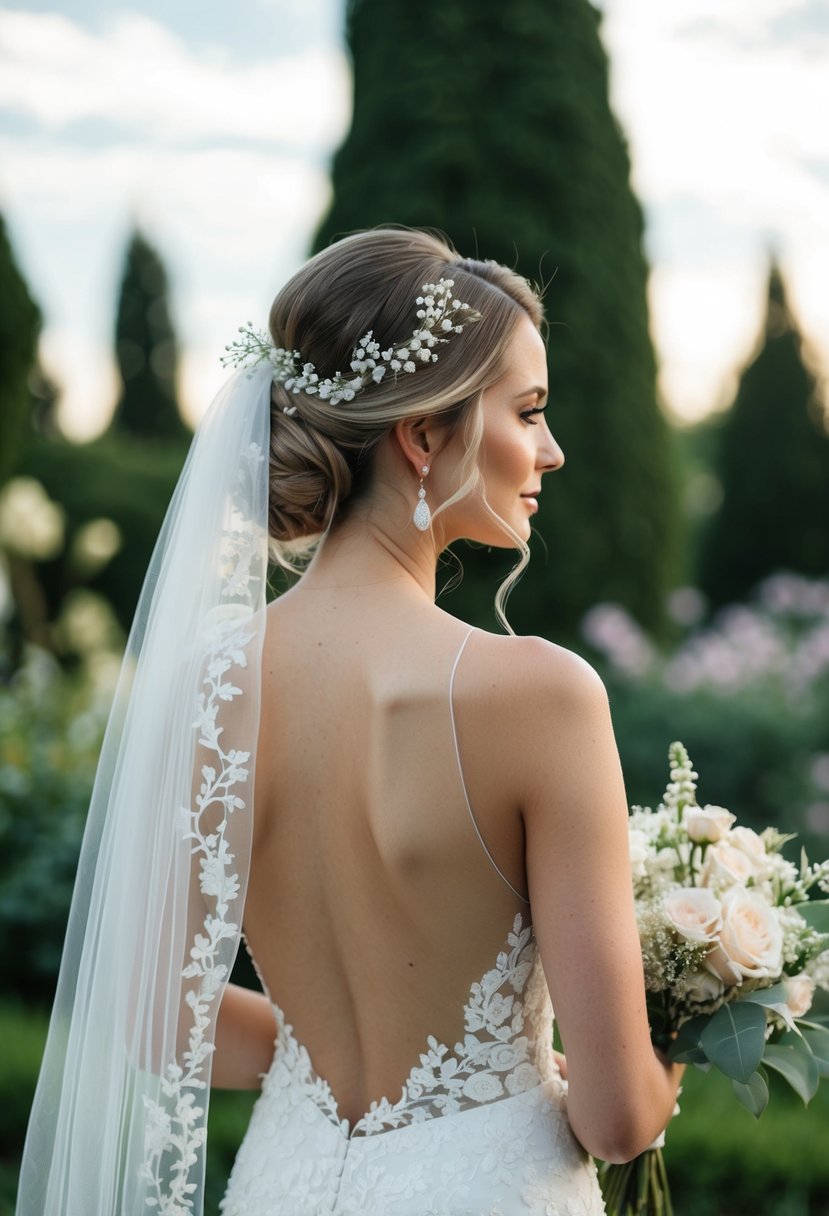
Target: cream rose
[[751, 936], [726, 865], [721, 967], [694, 912], [707, 824], [749, 843], [799, 992]]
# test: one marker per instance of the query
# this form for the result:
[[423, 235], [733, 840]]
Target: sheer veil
[[118, 1124]]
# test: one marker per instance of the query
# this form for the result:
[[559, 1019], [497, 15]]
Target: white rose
[[694, 912], [799, 992], [725, 864], [752, 845], [707, 824], [751, 936], [704, 986], [721, 967], [638, 844]]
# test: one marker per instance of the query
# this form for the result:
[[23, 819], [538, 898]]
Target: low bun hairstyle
[[321, 455]]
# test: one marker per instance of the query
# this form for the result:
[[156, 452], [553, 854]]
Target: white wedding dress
[[479, 1130]]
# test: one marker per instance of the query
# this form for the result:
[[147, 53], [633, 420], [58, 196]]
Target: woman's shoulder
[[534, 669]]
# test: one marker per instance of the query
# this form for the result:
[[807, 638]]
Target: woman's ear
[[417, 441]]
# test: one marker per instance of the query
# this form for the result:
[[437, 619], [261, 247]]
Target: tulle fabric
[[118, 1124]]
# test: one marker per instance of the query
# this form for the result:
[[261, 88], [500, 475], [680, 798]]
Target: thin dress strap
[[460, 770]]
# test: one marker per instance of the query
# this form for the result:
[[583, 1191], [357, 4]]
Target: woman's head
[[322, 459]]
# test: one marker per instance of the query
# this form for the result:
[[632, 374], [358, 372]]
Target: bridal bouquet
[[734, 947]]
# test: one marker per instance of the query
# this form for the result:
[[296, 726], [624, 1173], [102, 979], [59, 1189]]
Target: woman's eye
[[528, 414]]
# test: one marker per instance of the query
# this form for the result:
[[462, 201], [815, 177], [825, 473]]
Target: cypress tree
[[19, 328], [146, 348], [773, 465], [491, 123]]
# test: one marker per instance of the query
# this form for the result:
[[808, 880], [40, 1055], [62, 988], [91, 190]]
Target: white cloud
[[230, 225], [726, 121], [139, 77]]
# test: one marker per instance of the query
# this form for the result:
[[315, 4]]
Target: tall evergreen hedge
[[19, 328], [146, 348], [491, 122], [773, 464]]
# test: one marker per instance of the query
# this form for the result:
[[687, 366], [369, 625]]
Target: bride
[[439, 842]]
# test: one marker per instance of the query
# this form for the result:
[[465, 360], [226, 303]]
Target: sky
[[212, 127]]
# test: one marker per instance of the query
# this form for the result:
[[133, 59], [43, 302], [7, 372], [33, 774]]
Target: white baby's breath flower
[[818, 969]]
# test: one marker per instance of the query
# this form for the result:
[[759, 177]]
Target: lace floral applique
[[176, 1130], [495, 1059]]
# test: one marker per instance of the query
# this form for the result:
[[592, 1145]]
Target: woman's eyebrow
[[535, 391]]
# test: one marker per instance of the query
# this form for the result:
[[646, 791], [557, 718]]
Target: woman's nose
[[550, 455]]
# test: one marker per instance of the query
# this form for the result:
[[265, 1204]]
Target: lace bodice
[[478, 1130], [506, 1048]]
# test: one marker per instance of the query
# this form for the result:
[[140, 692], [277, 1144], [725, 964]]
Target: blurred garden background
[[662, 175]]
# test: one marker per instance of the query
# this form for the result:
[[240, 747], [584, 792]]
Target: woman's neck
[[359, 552]]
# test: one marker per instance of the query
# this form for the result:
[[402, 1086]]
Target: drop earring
[[422, 515]]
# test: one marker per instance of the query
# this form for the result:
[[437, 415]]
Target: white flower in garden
[[694, 912], [707, 824], [703, 986], [799, 992], [751, 936], [726, 865]]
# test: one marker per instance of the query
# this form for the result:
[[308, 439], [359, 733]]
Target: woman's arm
[[245, 1033], [621, 1093]]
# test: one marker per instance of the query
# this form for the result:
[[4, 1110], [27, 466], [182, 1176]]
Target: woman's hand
[[561, 1060]]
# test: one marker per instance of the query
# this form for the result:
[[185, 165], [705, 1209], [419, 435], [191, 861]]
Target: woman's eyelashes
[[527, 414]]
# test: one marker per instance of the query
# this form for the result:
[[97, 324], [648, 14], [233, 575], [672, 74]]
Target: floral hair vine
[[439, 316]]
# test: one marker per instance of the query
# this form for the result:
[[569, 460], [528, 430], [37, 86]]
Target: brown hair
[[321, 456]]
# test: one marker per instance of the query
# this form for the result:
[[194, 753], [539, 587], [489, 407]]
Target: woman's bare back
[[372, 906]]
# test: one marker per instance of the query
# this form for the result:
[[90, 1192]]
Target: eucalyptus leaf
[[817, 1040], [816, 913], [767, 996], [797, 1065], [688, 1038], [773, 998], [754, 1094], [734, 1039], [691, 1055]]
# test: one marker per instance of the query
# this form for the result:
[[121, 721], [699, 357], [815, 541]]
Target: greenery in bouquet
[[734, 946]]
